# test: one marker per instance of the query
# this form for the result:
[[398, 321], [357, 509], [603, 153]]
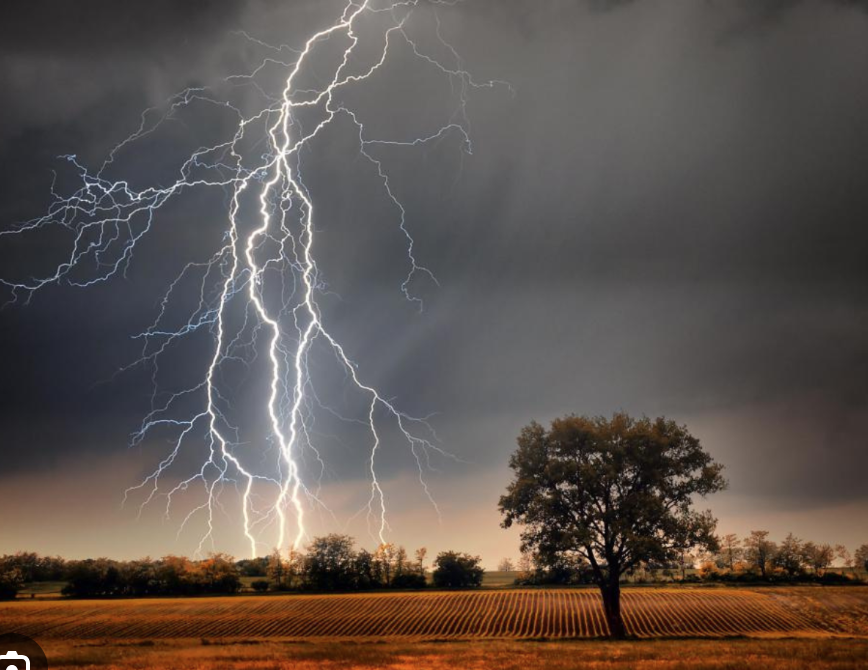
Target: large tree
[[618, 491]]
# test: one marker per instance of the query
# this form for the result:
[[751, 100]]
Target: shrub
[[260, 585], [409, 580]]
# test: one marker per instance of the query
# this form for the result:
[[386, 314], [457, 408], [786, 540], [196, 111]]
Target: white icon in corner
[[18, 660]]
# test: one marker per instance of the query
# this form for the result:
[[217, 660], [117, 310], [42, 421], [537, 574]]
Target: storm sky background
[[667, 217]]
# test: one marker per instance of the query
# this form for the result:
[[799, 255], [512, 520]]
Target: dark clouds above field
[[667, 217]]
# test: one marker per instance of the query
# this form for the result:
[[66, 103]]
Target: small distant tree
[[505, 565], [620, 491], [215, 574], [402, 563], [363, 567], [730, 551], [286, 573], [406, 576], [759, 551], [860, 557], [277, 570], [140, 578], [172, 574], [329, 563], [790, 556], [253, 567], [708, 569], [260, 585], [94, 578], [384, 563], [843, 555], [526, 562], [295, 569], [420, 556], [818, 557], [686, 560], [457, 570]]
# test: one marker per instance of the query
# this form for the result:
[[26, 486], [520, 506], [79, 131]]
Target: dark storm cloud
[[97, 27], [58, 57], [669, 217]]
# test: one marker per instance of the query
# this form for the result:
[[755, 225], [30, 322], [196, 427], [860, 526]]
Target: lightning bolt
[[106, 219]]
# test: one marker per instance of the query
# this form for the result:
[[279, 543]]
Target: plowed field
[[504, 614]]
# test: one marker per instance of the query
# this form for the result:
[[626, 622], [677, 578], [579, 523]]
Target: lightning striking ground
[[268, 249]]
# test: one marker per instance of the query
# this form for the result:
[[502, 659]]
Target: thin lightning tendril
[[107, 219]]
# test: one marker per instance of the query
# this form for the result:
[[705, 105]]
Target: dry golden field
[[693, 654], [552, 614]]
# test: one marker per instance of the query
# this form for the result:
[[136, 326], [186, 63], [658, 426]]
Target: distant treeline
[[104, 577], [754, 559], [330, 563]]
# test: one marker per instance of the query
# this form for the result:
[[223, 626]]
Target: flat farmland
[[457, 616]]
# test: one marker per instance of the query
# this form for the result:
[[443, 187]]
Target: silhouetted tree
[[730, 551], [328, 564], [363, 566], [10, 582], [32, 567], [420, 555], [860, 557], [505, 565], [385, 563], [843, 555], [140, 577], [457, 570], [619, 491], [215, 574], [818, 557], [94, 578], [759, 550], [277, 570], [526, 566], [253, 567], [789, 556], [686, 560]]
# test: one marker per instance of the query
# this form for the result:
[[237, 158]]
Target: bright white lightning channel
[[107, 219]]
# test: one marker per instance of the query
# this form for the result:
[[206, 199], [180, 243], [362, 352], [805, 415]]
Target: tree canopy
[[457, 570], [616, 492]]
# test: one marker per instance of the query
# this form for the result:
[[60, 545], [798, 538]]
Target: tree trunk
[[611, 591]]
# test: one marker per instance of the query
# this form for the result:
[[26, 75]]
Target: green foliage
[[331, 563], [457, 570], [328, 565], [32, 567], [617, 491], [253, 567], [171, 575]]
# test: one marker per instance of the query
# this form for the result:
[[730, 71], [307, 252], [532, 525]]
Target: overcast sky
[[668, 216]]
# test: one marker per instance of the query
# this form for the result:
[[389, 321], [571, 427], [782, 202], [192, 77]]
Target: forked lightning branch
[[268, 249]]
